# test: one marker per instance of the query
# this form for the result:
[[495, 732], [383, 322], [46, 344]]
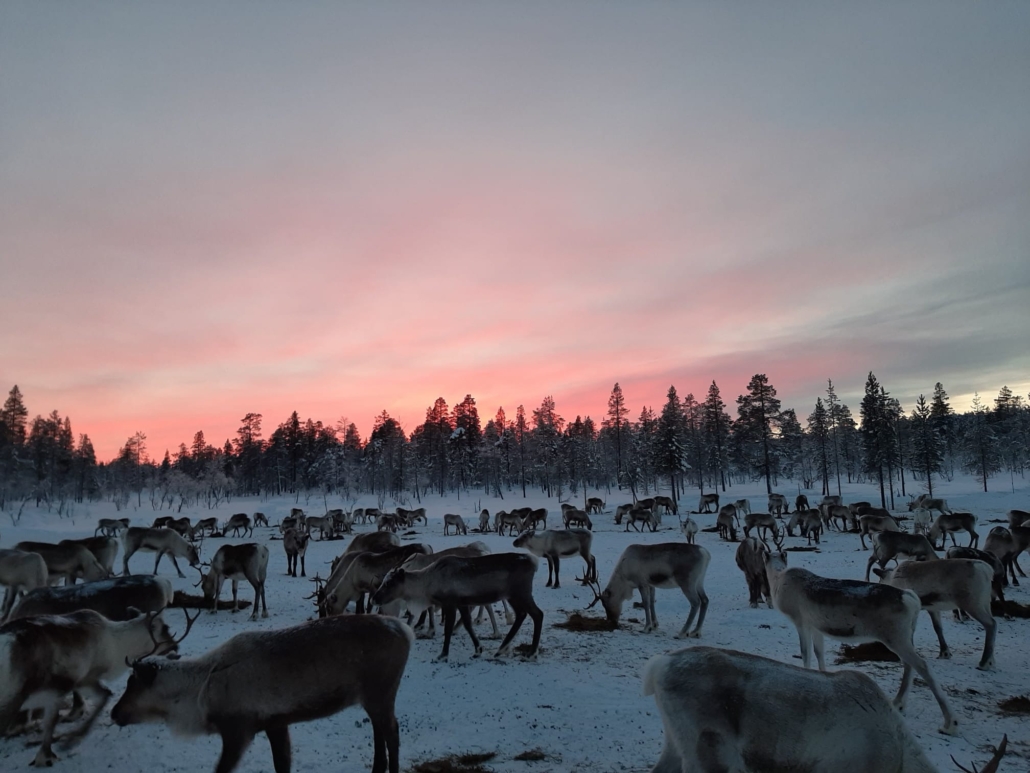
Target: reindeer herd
[[61, 641]]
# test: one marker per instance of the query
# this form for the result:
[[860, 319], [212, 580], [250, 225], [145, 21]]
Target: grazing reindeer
[[796, 522], [323, 523], [689, 528], [1020, 542], [162, 521], [295, 543], [265, 681], [871, 523], [800, 502], [727, 526], [104, 550], [706, 503], [778, 505], [364, 574], [835, 513], [949, 523], [1002, 546], [575, 517], [763, 522], [111, 527], [373, 542], [260, 519], [388, 522], [921, 521], [732, 511], [888, 545], [958, 583], [68, 560], [181, 526], [595, 505], [536, 518], [812, 525], [238, 522], [511, 520], [859, 508], [666, 505], [451, 520], [484, 521], [830, 499], [161, 541], [249, 562], [120, 598], [852, 611], [998, 581], [455, 584], [555, 544], [751, 561], [641, 515], [781, 718], [621, 511], [665, 565], [44, 658], [743, 506], [20, 572], [205, 526]]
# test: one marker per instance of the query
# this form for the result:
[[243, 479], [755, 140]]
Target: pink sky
[[208, 211]]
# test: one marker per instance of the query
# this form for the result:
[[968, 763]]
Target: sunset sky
[[209, 209]]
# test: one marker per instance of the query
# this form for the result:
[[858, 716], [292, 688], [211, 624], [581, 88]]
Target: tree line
[[688, 444]]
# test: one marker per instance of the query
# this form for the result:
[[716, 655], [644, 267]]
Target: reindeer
[[239, 522], [800, 502], [1017, 518], [888, 545], [1020, 542], [859, 508], [689, 528], [778, 505], [750, 560], [181, 526], [68, 560], [834, 513], [162, 521], [455, 584], [265, 681], [104, 550], [260, 519], [373, 542], [323, 523], [161, 541], [763, 522], [44, 658], [648, 503], [555, 544], [577, 518], [921, 521], [451, 520], [111, 527], [641, 515], [870, 522], [295, 543], [727, 526], [998, 580], [812, 525], [706, 503], [511, 520], [831, 499], [926, 502], [665, 565], [388, 522], [1002, 546], [781, 718], [206, 526], [852, 611], [364, 574], [416, 515], [595, 505], [621, 511], [20, 572], [535, 518], [484, 521], [249, 562], [666, 505], [743, 506], [119, 598], [958, 583], [949, 523], [796, 522], [731, 511]]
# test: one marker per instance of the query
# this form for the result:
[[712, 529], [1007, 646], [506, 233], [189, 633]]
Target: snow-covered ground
[[580, 702]]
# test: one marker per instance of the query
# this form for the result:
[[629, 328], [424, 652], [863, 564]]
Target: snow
[[581, 701]]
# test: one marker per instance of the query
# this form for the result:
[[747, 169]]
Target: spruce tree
[[927, 445], [980, 444], [15, 416], [835, 415], [616, 419], [874, 452], [820, 432], [943, 416], [717, 431], [759, 412]]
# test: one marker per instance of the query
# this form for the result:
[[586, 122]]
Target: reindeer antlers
[[596, 588], [992, 766]]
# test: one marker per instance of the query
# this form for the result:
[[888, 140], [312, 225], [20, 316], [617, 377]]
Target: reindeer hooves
[[949, 728], [988, 666], [945, 655], [44, 759]]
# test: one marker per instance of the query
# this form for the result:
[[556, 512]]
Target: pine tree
[[943, 417], [872, 433], [521, 431], [819, 429], [716, 431], [927, 456], [980, 444], [791, 444], [759, 412], [834, 417], [670, 459], [617, 414], [15, 416]]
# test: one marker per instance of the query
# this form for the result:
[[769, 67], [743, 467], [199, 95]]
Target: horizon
[[213, 210]]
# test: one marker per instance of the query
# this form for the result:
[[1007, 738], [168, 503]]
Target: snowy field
[[580, 702]]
